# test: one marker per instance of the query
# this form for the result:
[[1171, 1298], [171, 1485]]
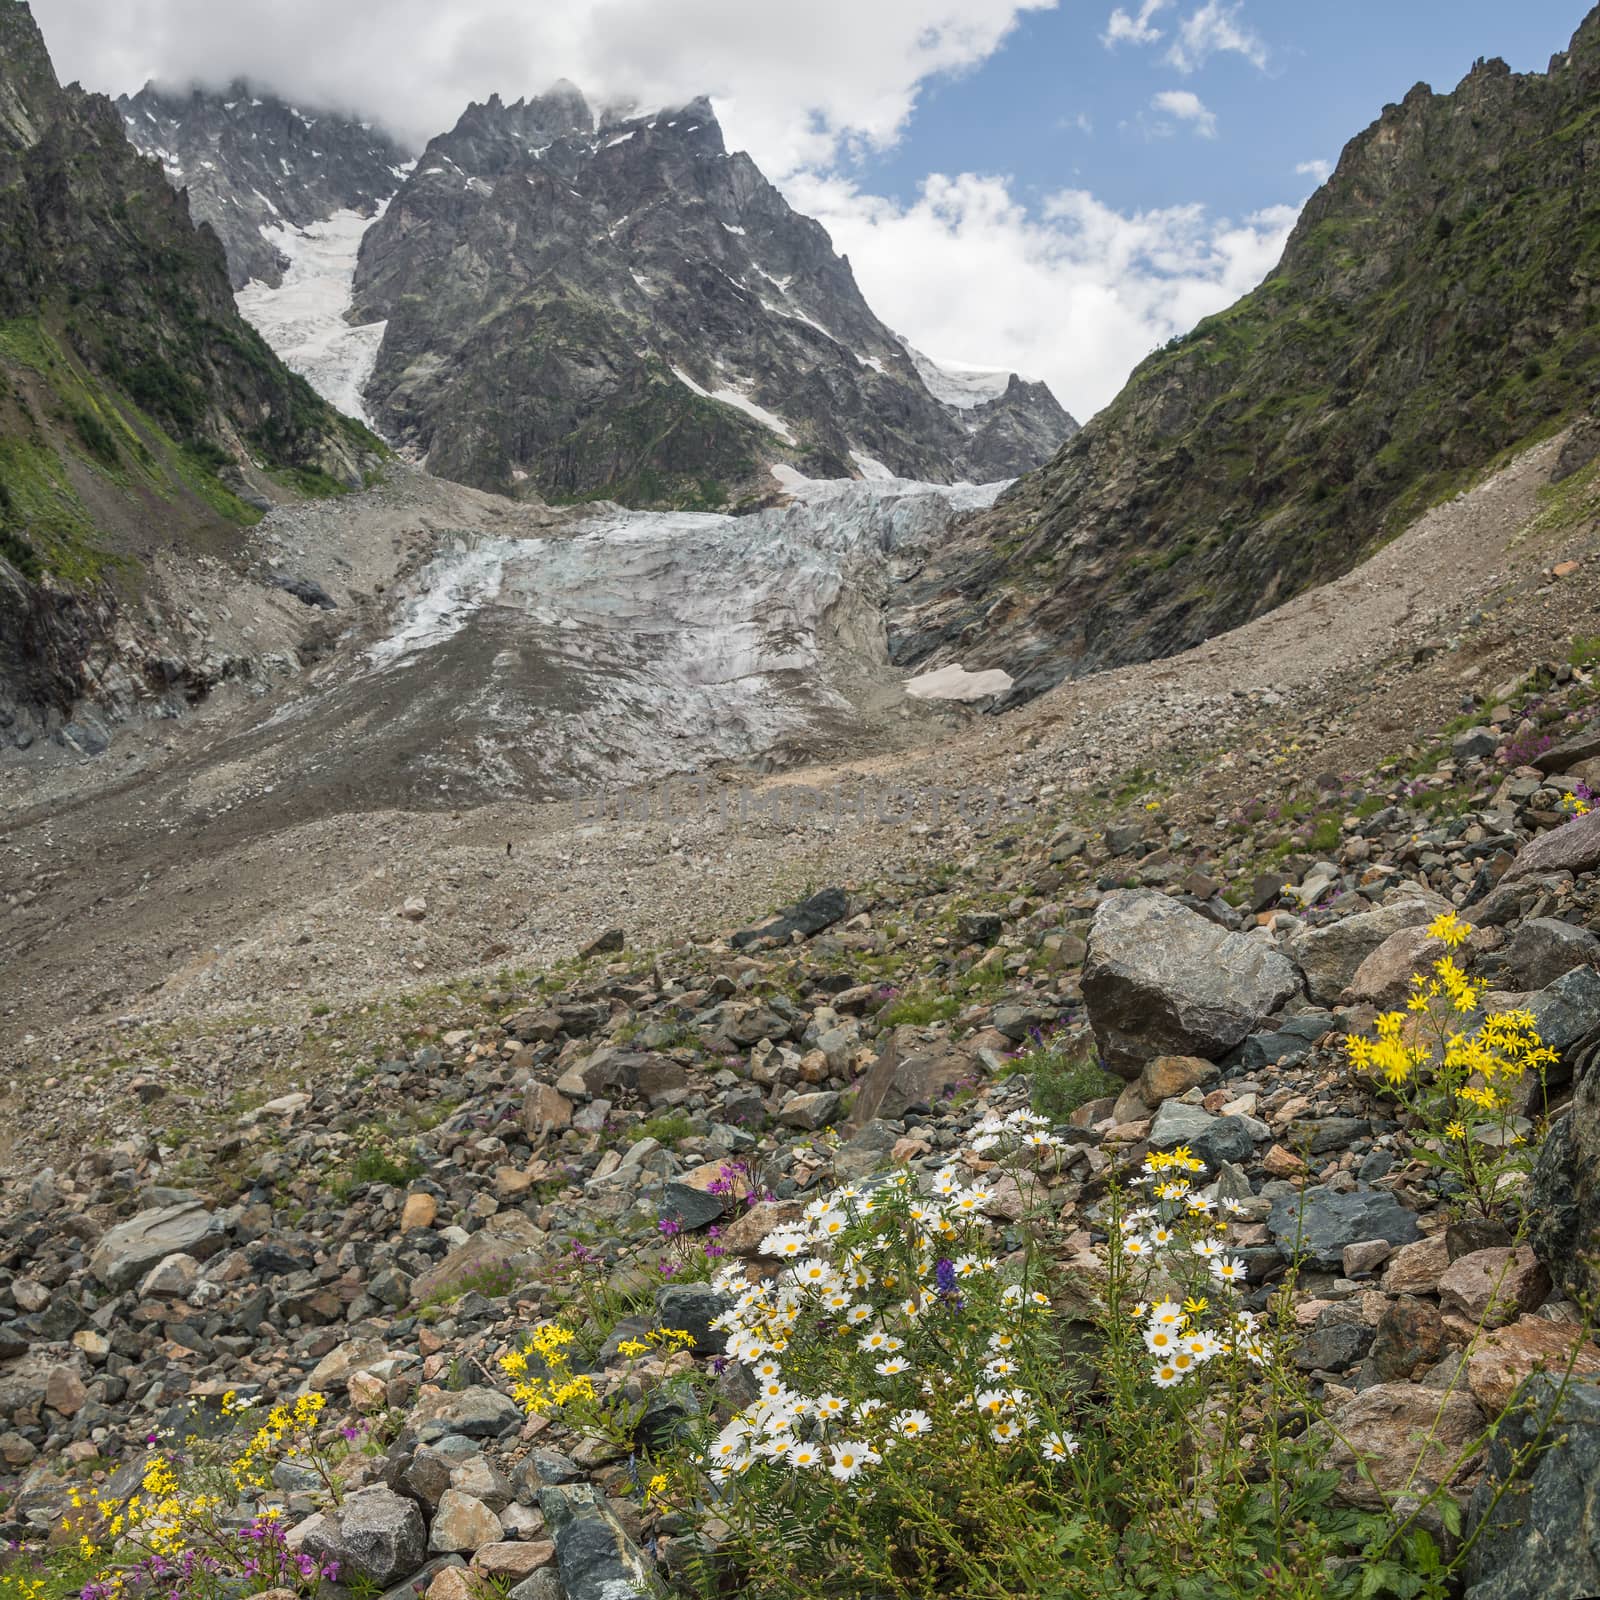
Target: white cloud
[[1122, 28], [793, 88], [1187, 106], [1320, 170], [1215, 27], [1073, 291], [1077, 294]]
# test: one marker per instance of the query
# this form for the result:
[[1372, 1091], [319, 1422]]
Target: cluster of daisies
[[864, 1275], [1177, 1234]]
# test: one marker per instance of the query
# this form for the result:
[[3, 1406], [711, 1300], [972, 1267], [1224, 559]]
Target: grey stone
[[1160, 980], [133, 1247], [596, 1558], [1331, 1220], [462, 1524], [1214, 1139], [1330, 955], [1568, 1009], [543, 1585], [171, 1278], [1541, 1538], [822, 910], [915, 1066], [1572, 847], [1564, 1195], [1472, 742], [1543, 949], [476, 1413], [693, 1307], [690, 1207], [811, 1111], [376, 1534]]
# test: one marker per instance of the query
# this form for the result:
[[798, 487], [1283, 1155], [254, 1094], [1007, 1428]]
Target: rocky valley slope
[[1437, 303], [141, 414]]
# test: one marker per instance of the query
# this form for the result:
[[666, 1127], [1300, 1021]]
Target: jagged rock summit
[[253, 164], [607, 303]]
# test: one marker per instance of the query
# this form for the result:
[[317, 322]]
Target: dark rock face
[[1543, 1536], [1323, 1221], [250, 161], [1422, 319], [568, 294], [125, 349], [598, 1560], [822, 910], [1564, 1201]]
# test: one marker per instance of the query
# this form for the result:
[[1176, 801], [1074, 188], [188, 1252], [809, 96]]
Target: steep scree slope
[[1439, 301]]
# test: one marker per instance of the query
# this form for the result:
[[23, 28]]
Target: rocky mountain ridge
[[1437, 303], [253, 165], [608, 305], [140, 415]]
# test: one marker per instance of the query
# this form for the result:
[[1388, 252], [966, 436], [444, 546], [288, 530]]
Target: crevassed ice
[[303, 318]]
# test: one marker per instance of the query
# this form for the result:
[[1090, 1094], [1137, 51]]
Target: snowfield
[[304, 318]]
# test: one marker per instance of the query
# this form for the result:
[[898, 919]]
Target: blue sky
[[1330, 68], [1011, 192]]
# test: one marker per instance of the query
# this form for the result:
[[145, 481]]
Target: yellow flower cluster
[[1387, 1056], [560, 1387], [1453, 1078], [296, 1424]]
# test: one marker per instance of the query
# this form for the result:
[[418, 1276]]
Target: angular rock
[[1545, 948], [1492, 1287], [1541, 1538], [475, 1413], [1564, 1195], [1409, 1438], [133, 1247], [693, 1307], [1572, 847], [1384, 978], [1169, 1076], [376, 1534], [1213, 1139], [596, 1558], [822, 910], [915, 1066], [1160, 980], [462, 1524], [1325, 1221], [1500, 1360], [1331, 955], [811, 1111]]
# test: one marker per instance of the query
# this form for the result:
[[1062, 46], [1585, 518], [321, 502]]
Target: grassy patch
[[1064, 1077]]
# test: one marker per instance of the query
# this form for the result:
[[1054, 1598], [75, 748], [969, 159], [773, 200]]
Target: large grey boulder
[[1572, 847], [596, 1558], [1544, 949], [1331, 955], [1541, 1537], [1161, 980], [375, 1534], [129, 1250], [1318, 1223]]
